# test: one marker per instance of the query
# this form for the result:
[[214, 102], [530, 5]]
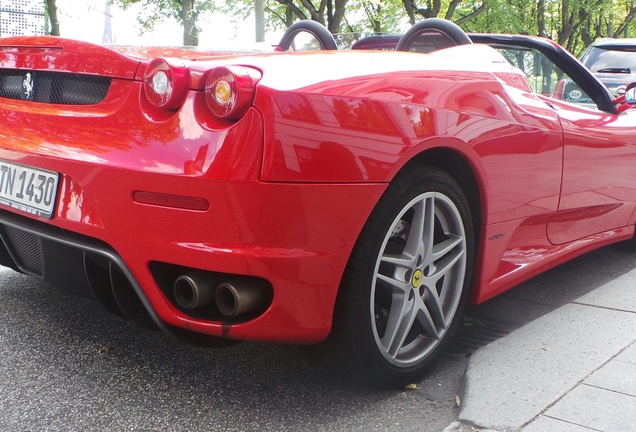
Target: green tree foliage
[[381, 16], [186, 12], [572, 23], [459, 11], [283, 13], [612, 19], [328, 12]]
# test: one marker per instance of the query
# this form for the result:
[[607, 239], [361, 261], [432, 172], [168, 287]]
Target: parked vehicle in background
[[613, 61]]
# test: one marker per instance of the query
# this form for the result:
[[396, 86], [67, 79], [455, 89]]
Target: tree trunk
[[473, 14], [373, 14], [51, 10], [338, 15], [451, 9], [622, 28], [316, 14], [259, 18], [290, 16], [409, 7], [189, 20], [437, 6], [541, 19], [293, 12]]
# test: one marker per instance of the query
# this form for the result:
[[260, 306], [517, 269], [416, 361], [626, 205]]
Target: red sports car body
[[360, 197]]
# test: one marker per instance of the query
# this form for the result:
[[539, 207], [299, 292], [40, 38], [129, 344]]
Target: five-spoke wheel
[[418, 278], [407, 281]]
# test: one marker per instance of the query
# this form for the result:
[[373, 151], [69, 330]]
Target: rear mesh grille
[[53, 87], [27, 249]]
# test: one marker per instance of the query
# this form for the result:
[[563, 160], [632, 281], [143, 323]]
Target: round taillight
[[229, 91], [166, 82]]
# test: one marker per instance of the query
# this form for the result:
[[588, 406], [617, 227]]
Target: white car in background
[[613, 61]]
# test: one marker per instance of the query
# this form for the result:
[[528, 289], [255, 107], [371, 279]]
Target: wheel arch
[[459, 167], [464, 171], [467, 174], [452, 175]]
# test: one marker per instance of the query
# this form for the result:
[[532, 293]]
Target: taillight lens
[[166, 82], [229, 91]]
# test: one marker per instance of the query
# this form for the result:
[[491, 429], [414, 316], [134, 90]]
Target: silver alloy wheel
[[418, 279]]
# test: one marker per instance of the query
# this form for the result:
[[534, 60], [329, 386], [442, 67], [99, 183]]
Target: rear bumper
[[297, 237], [62, 258]]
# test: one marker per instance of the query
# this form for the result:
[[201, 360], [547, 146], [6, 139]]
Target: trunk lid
[[49, 53]]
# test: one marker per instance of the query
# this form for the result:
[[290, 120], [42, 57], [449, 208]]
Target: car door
[[598, 190], [598, 193]]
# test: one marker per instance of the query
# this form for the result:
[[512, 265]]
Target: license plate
[[31, 190]]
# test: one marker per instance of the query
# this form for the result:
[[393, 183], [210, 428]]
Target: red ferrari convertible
[[356, 198]]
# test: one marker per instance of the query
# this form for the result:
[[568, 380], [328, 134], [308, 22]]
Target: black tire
[[373, 337]]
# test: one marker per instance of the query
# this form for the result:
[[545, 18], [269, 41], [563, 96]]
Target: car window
[[611, 59], [544, 76], [305, 41]]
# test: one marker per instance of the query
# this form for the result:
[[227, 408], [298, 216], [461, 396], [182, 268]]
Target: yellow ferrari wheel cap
[[416, 280]]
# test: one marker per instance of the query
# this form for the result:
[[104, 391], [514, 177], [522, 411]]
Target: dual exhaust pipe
[[233, 298]]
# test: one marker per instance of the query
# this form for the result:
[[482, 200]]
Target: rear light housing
[[166, 82], [230, 90]]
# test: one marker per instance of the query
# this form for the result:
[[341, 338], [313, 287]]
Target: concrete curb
[[514, 380]]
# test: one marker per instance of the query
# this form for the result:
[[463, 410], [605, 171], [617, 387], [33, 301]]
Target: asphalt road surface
[[67, 364]]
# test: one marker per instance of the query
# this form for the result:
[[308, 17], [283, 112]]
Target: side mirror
[[630, 94]]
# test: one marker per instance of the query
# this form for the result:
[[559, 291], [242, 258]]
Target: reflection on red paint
[[74, 206]]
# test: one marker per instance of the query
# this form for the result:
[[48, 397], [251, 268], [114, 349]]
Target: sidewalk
[[572, 370]]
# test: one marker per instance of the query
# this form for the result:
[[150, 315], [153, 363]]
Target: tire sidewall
[[393, 201]]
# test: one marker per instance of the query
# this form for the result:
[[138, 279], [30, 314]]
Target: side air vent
[[53, 87]]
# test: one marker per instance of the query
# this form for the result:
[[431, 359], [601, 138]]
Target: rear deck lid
[[65, 55], [60, 71]]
